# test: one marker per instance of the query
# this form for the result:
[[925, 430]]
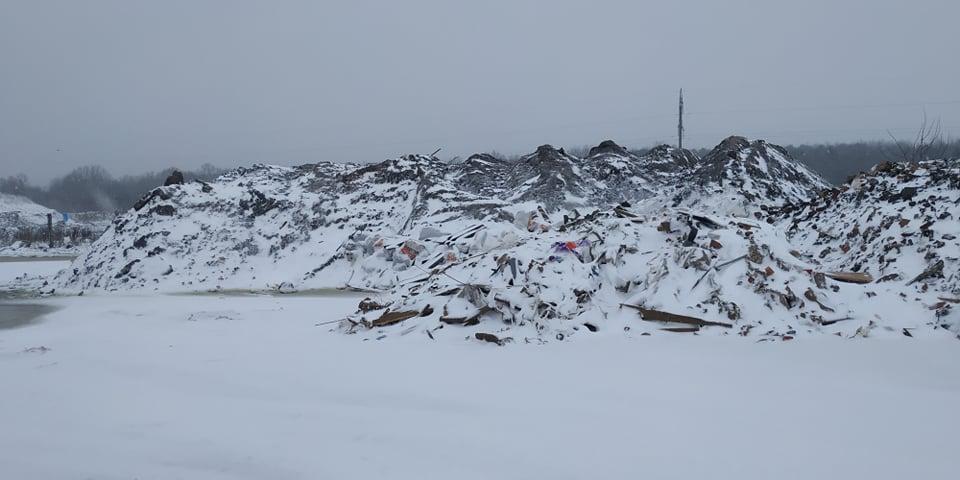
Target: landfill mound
[[550, 246], [20, 212], [896, 223], [24, 230]]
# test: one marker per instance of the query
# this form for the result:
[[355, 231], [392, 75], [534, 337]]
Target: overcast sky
[[141, 85]]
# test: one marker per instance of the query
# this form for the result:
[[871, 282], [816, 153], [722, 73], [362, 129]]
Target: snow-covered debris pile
[[24, 229], [251, 227], [549, 246], [741, 177], [897, 223], [18, 212], [621, 270]]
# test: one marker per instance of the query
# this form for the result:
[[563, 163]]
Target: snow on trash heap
[[622, 271], [536, 250]]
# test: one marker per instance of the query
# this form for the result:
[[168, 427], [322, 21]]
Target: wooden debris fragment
[[467, 321], [850, 277], [650, 315], [464, 321], [812, 296], [681, 329], [889, 277], [621, 211], [390, 318], [706, 221], [716, 268], [368, 304], [831, 322], [489, 337], [730, 262], [933, 271]]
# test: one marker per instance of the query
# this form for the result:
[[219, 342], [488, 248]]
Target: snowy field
[[208, 387]]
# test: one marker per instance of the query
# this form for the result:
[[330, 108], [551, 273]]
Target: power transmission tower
[[680, 125]]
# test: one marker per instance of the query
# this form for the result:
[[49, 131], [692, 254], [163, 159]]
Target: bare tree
[[927, 144]]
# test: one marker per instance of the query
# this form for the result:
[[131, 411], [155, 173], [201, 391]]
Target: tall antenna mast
[[680, 125]]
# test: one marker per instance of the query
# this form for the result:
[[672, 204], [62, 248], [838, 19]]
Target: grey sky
[[137, 85]]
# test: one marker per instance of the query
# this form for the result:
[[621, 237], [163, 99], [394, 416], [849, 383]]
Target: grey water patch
[[18, 293], [316, 292], [16, 259], [16, 315]]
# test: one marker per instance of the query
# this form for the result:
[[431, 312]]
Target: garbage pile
[[896, 223], [552, 247], [24, 228], [625, 271]]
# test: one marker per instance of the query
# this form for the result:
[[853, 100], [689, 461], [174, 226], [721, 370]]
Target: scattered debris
[[933, 271], [175, 178], [41, 349], [681, 329], [489, 337], [389, 318]]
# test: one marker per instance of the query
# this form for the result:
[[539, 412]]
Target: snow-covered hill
[[16, 210], [550, 246], [20, 216], [898, 222]]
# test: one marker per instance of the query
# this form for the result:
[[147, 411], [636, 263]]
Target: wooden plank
[[651, 315], [850, 277], [391, 318]]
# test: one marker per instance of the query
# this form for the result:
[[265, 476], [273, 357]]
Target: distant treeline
[[92, 188], [840, 161]]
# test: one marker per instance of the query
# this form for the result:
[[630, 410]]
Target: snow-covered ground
[[12, 268], [217, 387]]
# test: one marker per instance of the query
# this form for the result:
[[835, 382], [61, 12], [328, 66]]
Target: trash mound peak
[[746, 175], [608, 147]]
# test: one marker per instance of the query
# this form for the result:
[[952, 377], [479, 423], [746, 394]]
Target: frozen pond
[[15, 315], [314, 292], [19, 307], [4, 259]]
